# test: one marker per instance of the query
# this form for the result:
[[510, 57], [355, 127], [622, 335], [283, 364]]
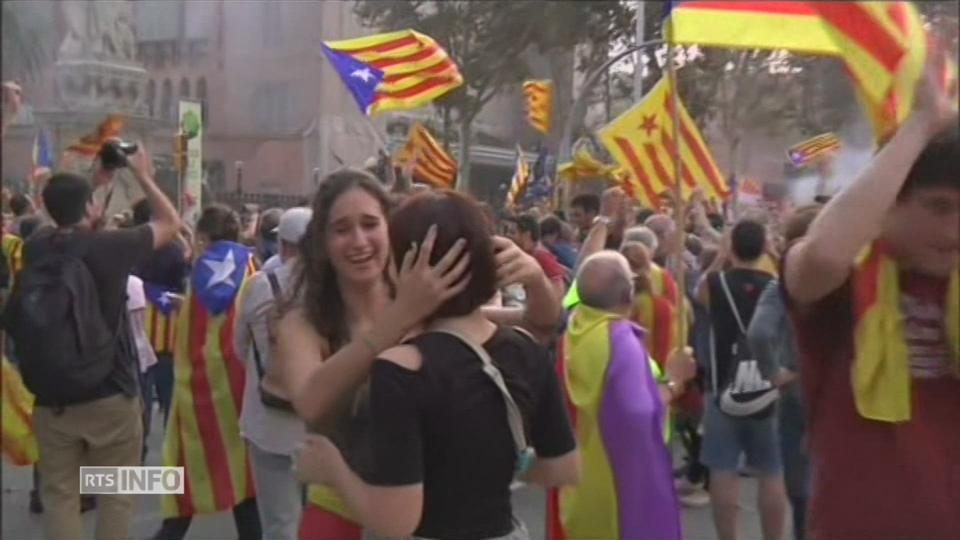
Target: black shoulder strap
[[277, 292]]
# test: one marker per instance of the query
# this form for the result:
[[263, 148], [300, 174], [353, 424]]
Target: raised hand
[[514, 265]]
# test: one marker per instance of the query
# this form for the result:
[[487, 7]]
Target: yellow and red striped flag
[[539, 98], [812, 149], [17, 441], [203, 432], [883, 44], [160, 318], [90, 144], [393, 71], [642, 141], [520, 180], [431, 164]]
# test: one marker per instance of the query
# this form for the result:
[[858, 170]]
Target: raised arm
[[164, 221], [822, 261], [543, 310]]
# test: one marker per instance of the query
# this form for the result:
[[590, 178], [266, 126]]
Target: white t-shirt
[[274, 431], [137, 305]]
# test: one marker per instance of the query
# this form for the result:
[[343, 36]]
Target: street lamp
[[577, 109]]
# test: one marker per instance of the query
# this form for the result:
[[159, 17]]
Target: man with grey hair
[[644, 235], [621, 402]]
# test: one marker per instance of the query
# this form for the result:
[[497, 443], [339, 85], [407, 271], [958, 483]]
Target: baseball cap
[[293, 224]]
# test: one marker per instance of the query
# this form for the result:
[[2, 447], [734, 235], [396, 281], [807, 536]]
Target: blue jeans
[[279, 493], [160, 376], [796, 462], [726, 438]]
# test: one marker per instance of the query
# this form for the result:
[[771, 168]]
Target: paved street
[[19, 524]]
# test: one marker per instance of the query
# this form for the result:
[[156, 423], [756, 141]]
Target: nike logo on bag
[[749, 379]]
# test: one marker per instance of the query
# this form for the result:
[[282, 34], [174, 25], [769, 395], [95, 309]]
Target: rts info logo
[[131, 480]]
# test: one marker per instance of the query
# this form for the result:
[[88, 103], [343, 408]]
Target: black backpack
[[66, 348]]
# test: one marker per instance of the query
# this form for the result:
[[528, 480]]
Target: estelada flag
[[520, 179], [642, 141], [160, 317], [394, 71], [539, 101], [430, 163], [203, 432], [90, 144], [813, 149]]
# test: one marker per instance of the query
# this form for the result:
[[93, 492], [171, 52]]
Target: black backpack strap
[[276, 291]]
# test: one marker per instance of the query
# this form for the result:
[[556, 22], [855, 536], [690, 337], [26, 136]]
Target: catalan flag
[[203, 433], [813, 149], [160, 317], [642, 141], [539, 97], [394, 71], [431, 164], [90, 144], [18, 443], [883, 44], [520, 180], [586, 167]]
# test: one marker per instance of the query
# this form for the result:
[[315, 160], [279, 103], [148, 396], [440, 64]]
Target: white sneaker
[[698, 498]]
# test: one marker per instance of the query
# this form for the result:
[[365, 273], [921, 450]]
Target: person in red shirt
[[872, 294], [527, 237]]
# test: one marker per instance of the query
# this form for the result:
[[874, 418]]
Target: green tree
[[488, 40]]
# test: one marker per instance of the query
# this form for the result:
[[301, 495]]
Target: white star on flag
[[222, 270], [363, 74], [164, 299]]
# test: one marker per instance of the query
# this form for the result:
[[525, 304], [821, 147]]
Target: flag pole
[[679, 212], [390, 177]]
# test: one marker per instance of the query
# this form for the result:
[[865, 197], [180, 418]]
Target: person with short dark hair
[[528, 238], [726, 438], [872, 291], [444, 465], [22, 208], [105, 429], [204, 418], [584, 209], [552, 236]]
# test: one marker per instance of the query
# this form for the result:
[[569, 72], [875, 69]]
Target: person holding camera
[[68, 319]]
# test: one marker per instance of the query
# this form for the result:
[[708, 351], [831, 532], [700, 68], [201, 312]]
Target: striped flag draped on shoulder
[[393, 71], [642, 141], [539, 98], [430, 163], [520, 180], [203, 432]]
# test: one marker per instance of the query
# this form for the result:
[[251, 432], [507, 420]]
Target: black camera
[[113, 154]]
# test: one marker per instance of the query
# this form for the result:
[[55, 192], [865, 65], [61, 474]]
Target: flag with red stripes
[[160, 318], [642, 140], [203, 433], [430, 163], [882, 44], [393, 71]]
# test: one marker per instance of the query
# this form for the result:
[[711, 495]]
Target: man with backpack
[[272, 431], [67, 316], [739, 417]]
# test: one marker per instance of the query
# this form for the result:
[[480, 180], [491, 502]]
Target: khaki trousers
[[103, 432]]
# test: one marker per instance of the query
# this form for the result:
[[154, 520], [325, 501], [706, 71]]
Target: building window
[[184, 88], [271, 22], [166, 100], [151, 96], [272, 108], [202, 96]]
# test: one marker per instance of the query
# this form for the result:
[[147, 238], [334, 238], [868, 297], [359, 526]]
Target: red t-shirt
[[551, 266], [875, 480]]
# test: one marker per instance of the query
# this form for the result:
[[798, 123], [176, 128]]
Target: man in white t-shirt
[[136, 309], [272, 434]]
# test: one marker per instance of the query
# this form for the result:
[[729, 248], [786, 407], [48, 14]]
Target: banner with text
[[190, 139]]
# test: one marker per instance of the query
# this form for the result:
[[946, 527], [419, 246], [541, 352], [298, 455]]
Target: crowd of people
[[395, 364]]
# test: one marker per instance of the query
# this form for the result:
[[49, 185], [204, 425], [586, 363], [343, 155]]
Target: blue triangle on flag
[[159, 298], [360, 78], [218, 275]]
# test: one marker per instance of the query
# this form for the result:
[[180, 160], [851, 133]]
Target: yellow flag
[[539, 96], [642, 141]]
